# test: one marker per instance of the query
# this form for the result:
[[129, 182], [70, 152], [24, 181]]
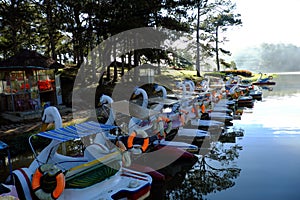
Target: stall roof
[[27, 59]]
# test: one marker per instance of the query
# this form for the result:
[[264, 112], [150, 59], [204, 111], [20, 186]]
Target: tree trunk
[[198, 42], [136, 63], [78, 32], [217, 48], [115, 62], [158, 65], [14, 28], [51, 29], [108, 73], [123, 64]]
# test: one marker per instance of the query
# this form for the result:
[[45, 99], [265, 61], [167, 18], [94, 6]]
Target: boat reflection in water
[[213, 172]]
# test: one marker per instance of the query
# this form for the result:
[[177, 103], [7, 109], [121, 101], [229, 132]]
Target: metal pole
[[11, 93]]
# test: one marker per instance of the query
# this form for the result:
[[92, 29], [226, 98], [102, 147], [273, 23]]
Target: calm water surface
[[270, 158]]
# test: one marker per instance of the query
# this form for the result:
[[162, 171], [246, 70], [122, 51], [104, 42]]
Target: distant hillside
[[270, 58]]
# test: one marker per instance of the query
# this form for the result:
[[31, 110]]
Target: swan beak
[[44, 127]]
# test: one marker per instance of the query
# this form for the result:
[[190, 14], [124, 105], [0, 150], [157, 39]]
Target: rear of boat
[[177, 160], [8, 190], [125, 184], [91, 176], [92, 182]]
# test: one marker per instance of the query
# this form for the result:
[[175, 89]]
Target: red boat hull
[[264, 83]]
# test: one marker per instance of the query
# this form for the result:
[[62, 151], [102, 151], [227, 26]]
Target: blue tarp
[[76, 131]]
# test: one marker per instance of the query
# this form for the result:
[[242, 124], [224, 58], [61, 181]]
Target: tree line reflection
[[215, 171]]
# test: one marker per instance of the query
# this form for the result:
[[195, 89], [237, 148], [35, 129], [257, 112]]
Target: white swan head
[[181, 85], [138, 91], [190, 84], [158, 88], [105, 99]]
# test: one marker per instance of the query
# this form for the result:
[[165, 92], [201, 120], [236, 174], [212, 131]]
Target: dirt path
[[27, 126]]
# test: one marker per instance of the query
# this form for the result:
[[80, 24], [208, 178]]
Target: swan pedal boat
[[185, 132], [193, 136], [256, 93], [182, 133], [155, 143], [168, 158], [264, 83], [245, 101], [140, 113], [220, 116], [204, 124], [97, 174]]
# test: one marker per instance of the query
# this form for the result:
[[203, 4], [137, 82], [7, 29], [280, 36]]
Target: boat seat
[[94, 171], [67, 162], [95, 151]]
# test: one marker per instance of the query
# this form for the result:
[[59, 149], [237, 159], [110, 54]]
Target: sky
[[265, 21]]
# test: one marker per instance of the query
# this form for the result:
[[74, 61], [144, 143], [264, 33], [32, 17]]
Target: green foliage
[[270, 58], [67, 30], [242, 72], [221, 16], [17, 25]]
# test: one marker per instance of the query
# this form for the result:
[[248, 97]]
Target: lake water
[[263, 164], [270, 155]]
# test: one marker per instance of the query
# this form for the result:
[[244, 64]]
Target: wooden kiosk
[[27, 79]]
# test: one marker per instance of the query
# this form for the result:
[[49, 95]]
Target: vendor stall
[[27, 79]]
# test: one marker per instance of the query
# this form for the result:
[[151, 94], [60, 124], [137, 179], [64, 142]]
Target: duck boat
[[94, 172]]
